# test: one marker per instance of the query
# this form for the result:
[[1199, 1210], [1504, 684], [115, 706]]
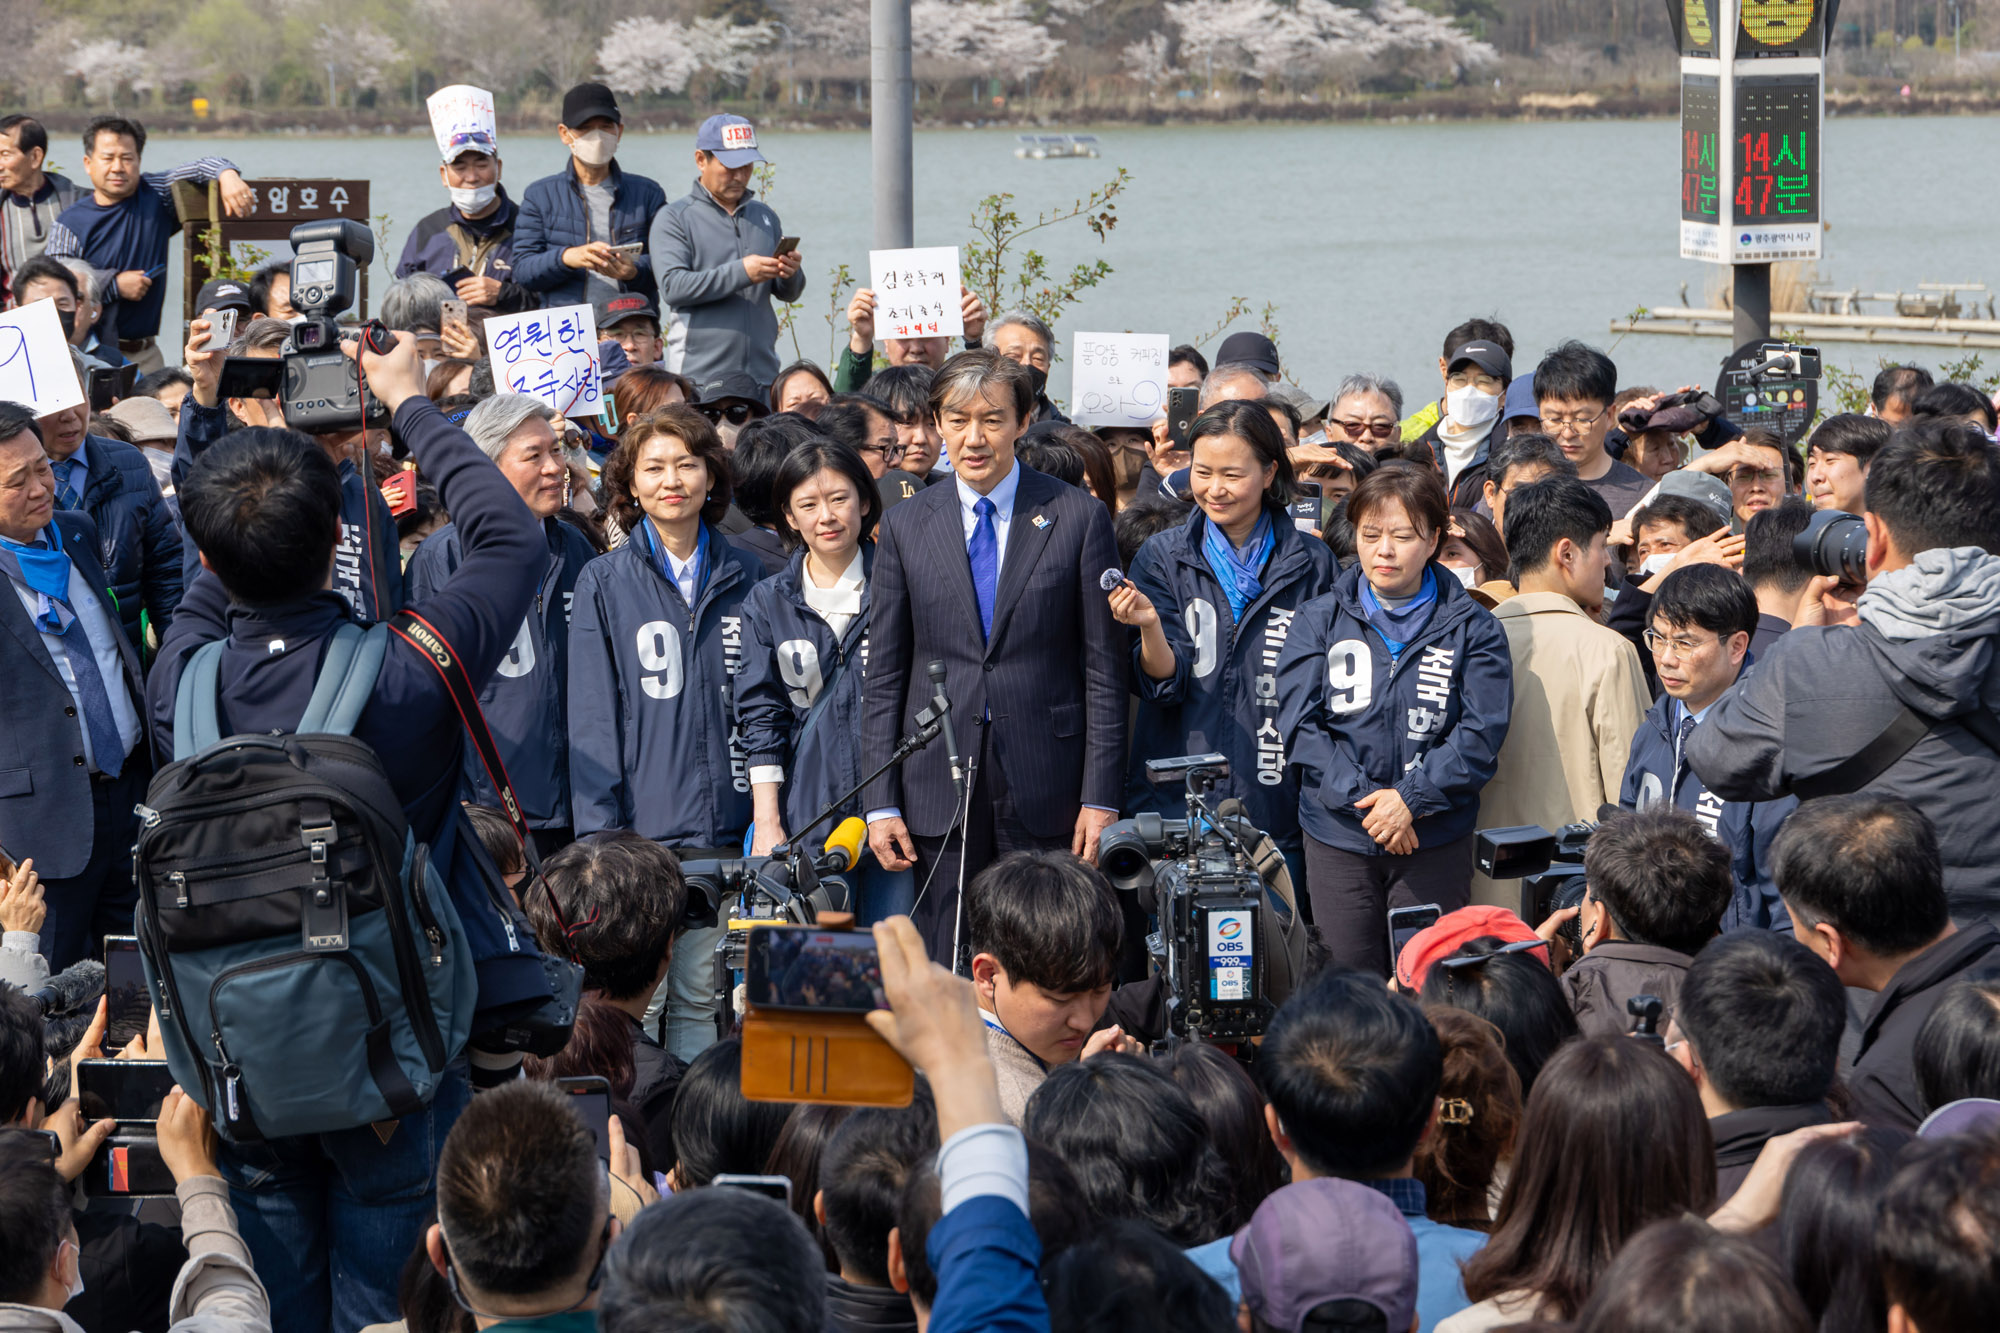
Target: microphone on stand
[[943, 705]]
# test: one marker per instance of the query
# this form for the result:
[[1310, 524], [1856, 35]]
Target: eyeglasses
[[1466, 379], [1560, 425], [1752, 476], [890, 453], [1474, 959], [1355, 430], [1683, 647], [737, 413]]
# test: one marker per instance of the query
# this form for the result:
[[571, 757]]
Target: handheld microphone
[[936, 672], [843, 845], [1111, 580], [71, 990]]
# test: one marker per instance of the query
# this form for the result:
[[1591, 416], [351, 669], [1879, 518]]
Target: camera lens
[[1124, 857], [1834, 545]]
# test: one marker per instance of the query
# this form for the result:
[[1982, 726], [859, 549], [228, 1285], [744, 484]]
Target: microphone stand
[[929, 726]]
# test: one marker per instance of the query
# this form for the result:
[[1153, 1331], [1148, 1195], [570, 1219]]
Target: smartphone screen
[[1405, 922], [798, 967], [1306, 508], [122, 1090], [590, 1098], [127, 1003]]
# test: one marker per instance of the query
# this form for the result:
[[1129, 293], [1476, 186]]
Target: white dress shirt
[[1002, 497]]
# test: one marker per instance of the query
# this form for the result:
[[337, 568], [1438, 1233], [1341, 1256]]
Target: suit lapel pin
[[1039, 521]]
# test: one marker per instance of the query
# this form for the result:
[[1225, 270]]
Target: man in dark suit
[[73, 760], [995, 574]]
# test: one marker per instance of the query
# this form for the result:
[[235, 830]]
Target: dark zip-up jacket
[[720, 323], [1884, 1080], [791, 658], [527, 700], [1470, 486], [652, 735], [1428, 723], [446, 240], [1655, 773], [1741, 1135], [139, 543], [1223, 695], [554, 216], [367, 562], [1598, 984]]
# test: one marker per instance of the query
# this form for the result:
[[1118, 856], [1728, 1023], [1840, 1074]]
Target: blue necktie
[[107, 747], [984, 552], [65, 492]]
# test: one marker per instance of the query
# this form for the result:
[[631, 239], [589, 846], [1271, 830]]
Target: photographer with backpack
[[343, 995]]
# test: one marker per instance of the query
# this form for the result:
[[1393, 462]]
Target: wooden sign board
[[278, 204]]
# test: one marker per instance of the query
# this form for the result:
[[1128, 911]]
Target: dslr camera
[[322, 388], [1834, 545], [1549, 866], [1197, 878]]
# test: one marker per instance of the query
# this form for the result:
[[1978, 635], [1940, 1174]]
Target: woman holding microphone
[[656, 640], [1396, 690], [798, 701], [1214, 601]]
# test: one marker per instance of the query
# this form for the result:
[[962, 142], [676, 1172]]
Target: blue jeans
[[330, 1218]]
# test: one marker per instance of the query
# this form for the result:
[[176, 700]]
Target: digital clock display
[[1775, 142], [1701, 133]]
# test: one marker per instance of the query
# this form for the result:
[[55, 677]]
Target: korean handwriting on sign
[[1119, 379], [916, 292], [551, 354]]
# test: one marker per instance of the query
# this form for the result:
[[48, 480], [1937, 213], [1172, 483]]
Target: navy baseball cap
[[223, 294], [732, 139]]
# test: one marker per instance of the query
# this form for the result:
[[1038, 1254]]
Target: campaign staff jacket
[[791, 658], [526, 700], [367, 561], [1656, 773], [652, 735], [1428, 723], [1223, 695]]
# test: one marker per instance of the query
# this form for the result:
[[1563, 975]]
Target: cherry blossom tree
[[655, 55], [106, 65], [995, 36]]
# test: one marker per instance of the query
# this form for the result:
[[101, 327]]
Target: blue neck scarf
[[658, 550], [1237, 567], [1398, 627], [45, 569]]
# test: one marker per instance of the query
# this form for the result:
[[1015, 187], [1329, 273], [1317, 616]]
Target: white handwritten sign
[[551, 354], [457, 113], [916, 292], [1117, 379], [35, 366]]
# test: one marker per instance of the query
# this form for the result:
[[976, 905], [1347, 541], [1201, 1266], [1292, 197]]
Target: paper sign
[[551, 354], [36, 370], [458, 112], [1118, 379], [916, 292]]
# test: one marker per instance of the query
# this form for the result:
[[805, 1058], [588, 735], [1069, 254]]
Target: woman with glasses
[[656, 641], [805, 630], [1213, 600], [1395, 691]]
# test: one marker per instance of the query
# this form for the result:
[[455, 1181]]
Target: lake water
[[1372, 239]]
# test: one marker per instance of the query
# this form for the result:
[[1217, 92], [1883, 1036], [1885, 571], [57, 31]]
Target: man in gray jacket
[[1901, 704], [715, 253]]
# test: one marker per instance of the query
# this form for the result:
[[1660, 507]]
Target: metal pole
[[1752, 302], [890, 116]]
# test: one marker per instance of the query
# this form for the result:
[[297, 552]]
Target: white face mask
[[472, 200], [1470, 407], [162, 463], [76, 1283], [1653, 564], [1465, 574], [595, 148]]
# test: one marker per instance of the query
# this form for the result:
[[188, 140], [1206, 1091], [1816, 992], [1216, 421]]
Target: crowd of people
[[1748, 1079]]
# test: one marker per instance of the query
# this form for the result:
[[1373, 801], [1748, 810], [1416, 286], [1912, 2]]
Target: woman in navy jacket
[[798, 701], [1214, 601], [656, 640], [1396, 689]]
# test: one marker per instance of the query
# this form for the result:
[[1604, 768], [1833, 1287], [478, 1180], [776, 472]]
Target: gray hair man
[[1022, 337]]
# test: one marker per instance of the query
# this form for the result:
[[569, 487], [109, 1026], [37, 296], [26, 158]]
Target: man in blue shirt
[[1352, 1075], [123, 226]]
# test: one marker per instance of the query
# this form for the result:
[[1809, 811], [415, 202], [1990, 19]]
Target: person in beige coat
[[1579, 690]]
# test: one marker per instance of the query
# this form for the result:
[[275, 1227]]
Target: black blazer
[[45, 809], [1052, 674]]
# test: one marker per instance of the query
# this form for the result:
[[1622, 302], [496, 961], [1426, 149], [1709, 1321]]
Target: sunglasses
[[735, 413], [1453, 966]]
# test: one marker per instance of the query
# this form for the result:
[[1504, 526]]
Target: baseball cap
[[223, 294], [613, 310], [1327, 1240], [1250, 349], [587, 100], [1520, 399], [732, 139], [468, 141], [1703, 489], [1451, 932], [1487, 356], [734, 388], [1302, 402], [143, 418]]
